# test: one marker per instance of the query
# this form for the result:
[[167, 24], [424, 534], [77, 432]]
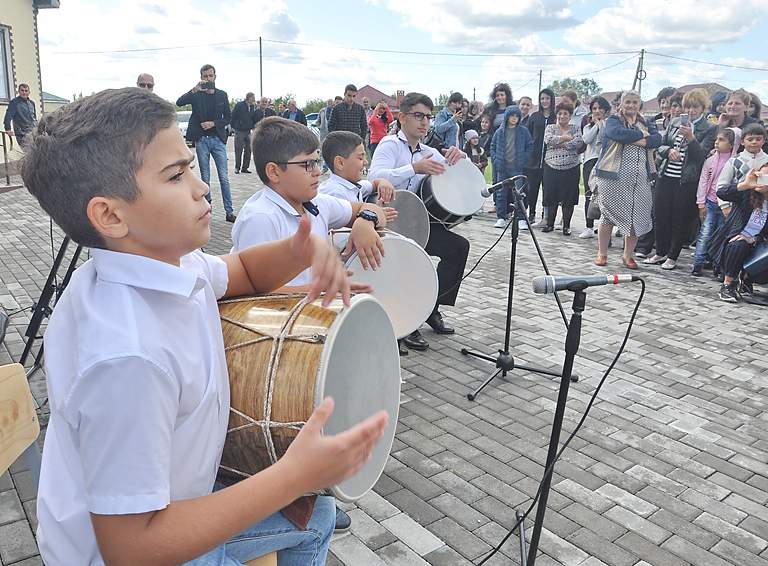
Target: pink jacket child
[[710, 172]]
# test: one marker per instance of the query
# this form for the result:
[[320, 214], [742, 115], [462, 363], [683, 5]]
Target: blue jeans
[[206, 147], [276, 533], [503, 198], [712, 222]]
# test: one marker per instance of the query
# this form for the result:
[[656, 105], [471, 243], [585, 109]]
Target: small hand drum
[[455, 195], [412, 218]]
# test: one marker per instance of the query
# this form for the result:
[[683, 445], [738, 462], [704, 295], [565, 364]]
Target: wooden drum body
[[284, 356]]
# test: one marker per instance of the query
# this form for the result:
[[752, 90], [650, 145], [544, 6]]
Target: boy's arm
[[186, 529]]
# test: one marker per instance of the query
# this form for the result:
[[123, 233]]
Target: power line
[[606, 68], [743, 67]]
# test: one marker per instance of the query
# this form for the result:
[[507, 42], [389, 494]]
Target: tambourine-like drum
[[412, 218], [455, 195], [405, 283], [284, 356]]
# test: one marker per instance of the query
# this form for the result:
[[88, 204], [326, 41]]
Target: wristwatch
[[369, 215]]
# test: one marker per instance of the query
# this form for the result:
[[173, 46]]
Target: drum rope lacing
[[277, 348]]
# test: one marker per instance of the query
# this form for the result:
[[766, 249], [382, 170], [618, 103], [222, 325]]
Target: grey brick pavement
[[669, 469]]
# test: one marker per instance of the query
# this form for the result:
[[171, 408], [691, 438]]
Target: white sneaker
[[500, 223], [587, 233], [540, 224], [522, 225], [617, 232], [669, 264]]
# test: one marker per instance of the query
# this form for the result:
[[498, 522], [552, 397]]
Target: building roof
[[374, 95], [652, 106], [48, 97]]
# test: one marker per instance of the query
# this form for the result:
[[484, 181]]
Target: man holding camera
[[448, 119], [208, 130], [243, 120]]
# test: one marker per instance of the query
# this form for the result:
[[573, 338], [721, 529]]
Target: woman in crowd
[[561, 167], [378, 124], [736, 114], [537, 122], [592, 135], [625, 169], [683, 149], [501, 97], [662, 118], [717, 107], [472, 118], [755, 107]]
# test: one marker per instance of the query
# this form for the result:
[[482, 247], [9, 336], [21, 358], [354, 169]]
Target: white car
[[312, 119], [182, 119]]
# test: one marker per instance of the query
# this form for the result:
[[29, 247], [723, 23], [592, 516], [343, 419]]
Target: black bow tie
[[310, 207]]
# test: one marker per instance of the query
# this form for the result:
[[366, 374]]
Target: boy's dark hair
[[728, 134], [601, 103], [338, 97], [675, 98], [92, 147], [753, 130], [23, 85], [412, 99], [206, 67], [277, 140], [666, 92], [570, 95], [350, 88], [456, 97], [339, 143]]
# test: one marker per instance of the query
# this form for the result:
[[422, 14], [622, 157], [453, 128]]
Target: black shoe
[[244, 171], [728, 293], [343, 521], [566, 231], [745, 289], [402, 348], [236, 171], [707, 265], [547, 228], [696, 271], [231, 217], [435, 320], [415, 341], [717, 276]]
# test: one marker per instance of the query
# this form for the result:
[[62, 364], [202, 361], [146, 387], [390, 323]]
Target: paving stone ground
[[670, 467]]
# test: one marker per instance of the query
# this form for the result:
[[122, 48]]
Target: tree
[[283, 100], [587, 88], [441, 100], [314, 105]]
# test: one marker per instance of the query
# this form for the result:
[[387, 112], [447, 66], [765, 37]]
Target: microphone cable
[[548, 472]]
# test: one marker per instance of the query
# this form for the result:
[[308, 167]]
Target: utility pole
[[640, 74], [539, 80], [261, 76], [474, 92]]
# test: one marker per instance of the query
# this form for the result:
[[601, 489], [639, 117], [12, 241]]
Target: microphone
[[553, 283], [488, 191]]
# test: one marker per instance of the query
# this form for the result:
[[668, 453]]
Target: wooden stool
[[268, 560]]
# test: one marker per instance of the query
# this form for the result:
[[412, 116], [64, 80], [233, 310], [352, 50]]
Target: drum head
[[360, 369], [412, 218], [405, 283], [458, 189]]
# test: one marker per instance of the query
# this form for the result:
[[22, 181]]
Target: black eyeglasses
[[150, 86], [419, 115], [309, 165]]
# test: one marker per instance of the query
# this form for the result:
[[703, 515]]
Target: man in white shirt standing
[[403, 161]]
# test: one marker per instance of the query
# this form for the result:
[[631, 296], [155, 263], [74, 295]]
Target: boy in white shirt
[[345, 156], [135, 364], [288, 164]]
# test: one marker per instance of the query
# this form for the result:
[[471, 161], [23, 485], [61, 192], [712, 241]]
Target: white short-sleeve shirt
[[267, 216], [394, 161], [139, 394], [340, 187]]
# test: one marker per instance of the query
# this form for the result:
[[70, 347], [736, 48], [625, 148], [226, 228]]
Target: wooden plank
[[19, 426]]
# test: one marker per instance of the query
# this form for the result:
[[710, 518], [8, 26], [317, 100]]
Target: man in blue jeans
[[207, 129]]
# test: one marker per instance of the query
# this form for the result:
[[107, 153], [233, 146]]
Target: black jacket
[[221, 117], [537, 123], [300, 117], [734, 223], [260, 114], [243, 117], [704, 135]]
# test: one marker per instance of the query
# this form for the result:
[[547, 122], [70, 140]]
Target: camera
[[207, 86]]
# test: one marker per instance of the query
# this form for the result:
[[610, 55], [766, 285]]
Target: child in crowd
[[511, 147], [134, 356], [345, 155], [747, 224], [288, 164], [753, 157], [474, 150], [726, 146]]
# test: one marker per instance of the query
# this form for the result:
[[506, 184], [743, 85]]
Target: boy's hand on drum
[[328, 273], [428, 166], [367, 242], [356, 287], [385, 189], [453, 155], [318, 462], [390, 214]]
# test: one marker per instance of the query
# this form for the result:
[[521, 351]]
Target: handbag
[[433, 139], [593, 210]]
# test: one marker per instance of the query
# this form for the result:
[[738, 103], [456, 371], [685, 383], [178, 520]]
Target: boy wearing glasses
[[403, 161], [288, 163]]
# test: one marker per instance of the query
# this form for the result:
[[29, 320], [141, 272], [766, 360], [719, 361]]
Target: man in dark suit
[[208, 130], [294, 113], [263, 111], [243, 120]]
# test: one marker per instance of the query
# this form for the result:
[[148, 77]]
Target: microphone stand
[[572, 340], [505, 361]]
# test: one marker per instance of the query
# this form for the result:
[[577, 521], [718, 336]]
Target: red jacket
[[377, 126]]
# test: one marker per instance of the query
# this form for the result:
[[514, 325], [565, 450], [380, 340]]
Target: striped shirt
[[674, 169]]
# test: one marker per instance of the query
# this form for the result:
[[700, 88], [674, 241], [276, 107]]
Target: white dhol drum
[[455, 195], [412, 217], [284, 357], [405, 283]]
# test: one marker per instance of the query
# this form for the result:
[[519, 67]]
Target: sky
[[313, 49]]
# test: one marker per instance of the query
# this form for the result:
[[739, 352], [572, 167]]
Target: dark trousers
[[242, 149], [452, 249], [675, 206], [535, 178], [585, 172], [734, 256]]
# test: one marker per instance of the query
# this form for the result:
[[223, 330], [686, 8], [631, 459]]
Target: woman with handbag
[[592, 135], [625, 169]]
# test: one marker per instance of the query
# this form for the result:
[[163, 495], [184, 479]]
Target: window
[[6, 65]]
